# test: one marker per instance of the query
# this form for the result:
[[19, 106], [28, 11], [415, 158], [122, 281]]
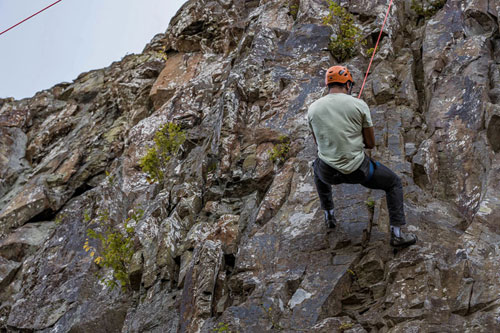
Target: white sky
[[72, 37]]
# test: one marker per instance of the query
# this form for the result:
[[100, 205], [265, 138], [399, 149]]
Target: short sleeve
[[309, 121], [365, 113]]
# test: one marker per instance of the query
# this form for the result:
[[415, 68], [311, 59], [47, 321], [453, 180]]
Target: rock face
[[232, 241]]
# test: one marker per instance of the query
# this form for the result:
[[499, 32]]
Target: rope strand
[[375, 50], [26, 19]]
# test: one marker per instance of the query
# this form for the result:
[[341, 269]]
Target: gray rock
[[199, 288], [25, 240], [341, 324], [383, 82], [158, 312], [12, 152], [229, 240], [30, 202], [8, 269]]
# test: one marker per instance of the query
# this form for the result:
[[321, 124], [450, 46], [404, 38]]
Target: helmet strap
[[349, 89]]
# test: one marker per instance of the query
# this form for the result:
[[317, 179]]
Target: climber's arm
[[369, 137]]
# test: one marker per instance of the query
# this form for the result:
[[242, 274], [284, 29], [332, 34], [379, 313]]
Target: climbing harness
[[375, 49], [373, 165]]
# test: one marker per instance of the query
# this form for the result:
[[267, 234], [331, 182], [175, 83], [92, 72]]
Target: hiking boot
[[404, 239], [330, 220]]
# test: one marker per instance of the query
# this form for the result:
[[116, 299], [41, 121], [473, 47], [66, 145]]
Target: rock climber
[[342, 128]]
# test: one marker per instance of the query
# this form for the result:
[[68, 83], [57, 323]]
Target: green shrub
[[346, 35], [221, 327], [110, 177], [370, 51], [86, 216], [279, 153], [167, 140], [345, 326], [293, 8], [160, 53], [59, 219], [427, 8], [115, 247], [370, 203]]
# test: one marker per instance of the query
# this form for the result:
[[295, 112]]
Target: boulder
[[229, 240]]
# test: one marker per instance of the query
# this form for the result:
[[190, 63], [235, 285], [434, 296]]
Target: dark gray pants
[[382, 179]]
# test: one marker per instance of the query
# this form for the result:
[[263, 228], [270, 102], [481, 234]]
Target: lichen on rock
[[230, 240]]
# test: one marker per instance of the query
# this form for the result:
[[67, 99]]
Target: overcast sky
[[72, 37]]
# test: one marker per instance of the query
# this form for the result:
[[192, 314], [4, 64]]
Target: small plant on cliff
[[293, 8], [369, 52], [221, 327], [269, 313], [110, 177], [370, 203], [279, 153], [345, 326], [115, 247], [86, 216], [59, 219], [427, 8], [160, 53], [346, 35], [167, 140]]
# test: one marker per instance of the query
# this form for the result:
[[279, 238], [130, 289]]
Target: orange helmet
[[338, 74]]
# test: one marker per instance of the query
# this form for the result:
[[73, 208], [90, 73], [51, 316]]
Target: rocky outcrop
[[232, 241]]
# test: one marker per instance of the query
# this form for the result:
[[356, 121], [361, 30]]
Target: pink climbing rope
[[26, 19], [375, 50]]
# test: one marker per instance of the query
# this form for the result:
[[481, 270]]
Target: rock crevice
[[232, 241]]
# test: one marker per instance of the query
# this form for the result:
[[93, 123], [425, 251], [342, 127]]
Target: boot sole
[[400, 246]]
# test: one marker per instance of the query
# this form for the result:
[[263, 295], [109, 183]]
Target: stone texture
[[342, 324], [7, 271], [199, 288], [179, 69], [25, 240], [230, 239], [12, 152], [27, 204]]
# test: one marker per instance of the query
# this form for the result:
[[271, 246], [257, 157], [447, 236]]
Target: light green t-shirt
[[337, 121]]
